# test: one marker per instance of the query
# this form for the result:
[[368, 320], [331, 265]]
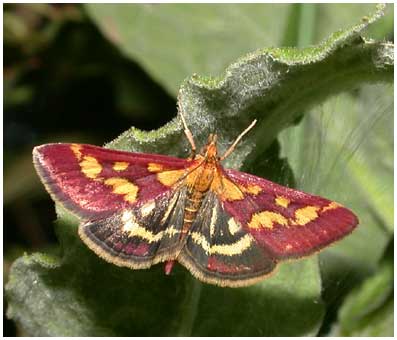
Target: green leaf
[[331, 16], [343, 150], [80, 295], [84, 296], [349, 158], [369, 309], [275, 84], [172, 41]]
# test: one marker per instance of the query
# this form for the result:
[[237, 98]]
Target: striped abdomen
[[199, 182], [193, 203]]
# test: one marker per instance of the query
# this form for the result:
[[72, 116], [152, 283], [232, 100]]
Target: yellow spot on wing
[[129, 221], [266, 219], [169, 178], [90, 167], [135, 230], [282, 201], [251, 189], [306, 215], [120, 166], [214, 217], [147, 208], [151, 237], [127, 215], [331, 206], [76, 148], [234, 226], [146, 234], [122, 186], [155, 167], [226, 188], [235, 248]]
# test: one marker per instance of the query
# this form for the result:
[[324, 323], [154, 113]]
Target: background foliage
[[87, 73]]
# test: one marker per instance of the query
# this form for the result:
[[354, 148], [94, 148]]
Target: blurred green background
[[73, 74]]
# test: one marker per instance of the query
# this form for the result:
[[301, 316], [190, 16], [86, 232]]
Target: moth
[[226, 227]]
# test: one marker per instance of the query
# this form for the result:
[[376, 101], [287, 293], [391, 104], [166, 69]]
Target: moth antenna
[[186, 130], [238, 139]]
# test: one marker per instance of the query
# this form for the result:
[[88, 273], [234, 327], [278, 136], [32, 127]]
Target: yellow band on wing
[[303, 216], [235, 248]]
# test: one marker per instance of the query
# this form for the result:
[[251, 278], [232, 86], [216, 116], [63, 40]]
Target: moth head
[[210, 150]]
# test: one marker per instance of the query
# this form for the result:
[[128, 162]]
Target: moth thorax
[[201, 178], [205, 178]]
